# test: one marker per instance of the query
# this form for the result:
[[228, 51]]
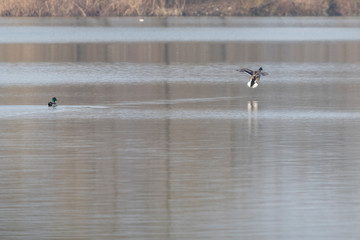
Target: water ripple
[[137, 112]]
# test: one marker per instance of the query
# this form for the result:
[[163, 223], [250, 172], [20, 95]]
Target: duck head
[[260, 69]]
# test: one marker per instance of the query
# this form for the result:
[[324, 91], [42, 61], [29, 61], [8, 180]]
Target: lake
[[156, 136]]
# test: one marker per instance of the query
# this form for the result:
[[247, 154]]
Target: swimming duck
[[53, 102], [254, 76]]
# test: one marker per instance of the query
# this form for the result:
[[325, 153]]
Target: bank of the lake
[[108, 8]]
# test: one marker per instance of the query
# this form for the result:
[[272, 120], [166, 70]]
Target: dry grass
[[178, 7], [91, 7], [348, 7], [296, 8]]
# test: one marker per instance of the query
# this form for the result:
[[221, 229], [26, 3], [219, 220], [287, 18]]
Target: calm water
[[156, 135]]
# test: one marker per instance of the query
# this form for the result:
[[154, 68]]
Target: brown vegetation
[[179, 7], [274, 8]]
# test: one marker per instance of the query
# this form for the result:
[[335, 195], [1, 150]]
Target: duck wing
[[264, 73], [246, 70]]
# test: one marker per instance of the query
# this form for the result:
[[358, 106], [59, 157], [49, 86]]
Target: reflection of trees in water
[[183, 52]]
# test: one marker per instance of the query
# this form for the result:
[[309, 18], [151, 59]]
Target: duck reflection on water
[[252, 107]]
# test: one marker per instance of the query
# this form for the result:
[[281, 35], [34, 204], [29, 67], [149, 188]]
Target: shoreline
[[146, 8]]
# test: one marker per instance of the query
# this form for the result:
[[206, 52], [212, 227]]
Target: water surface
[[160, 138]]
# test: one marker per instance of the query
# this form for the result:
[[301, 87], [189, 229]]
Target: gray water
[[156, 136]]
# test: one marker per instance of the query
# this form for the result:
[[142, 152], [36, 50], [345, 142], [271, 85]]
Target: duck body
[[53, 102], [254, 76]]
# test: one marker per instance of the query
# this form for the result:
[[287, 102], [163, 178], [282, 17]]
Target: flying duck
[[53, 102], [254, 76]]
